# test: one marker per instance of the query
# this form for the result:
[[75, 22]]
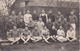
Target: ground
[[40, 46]]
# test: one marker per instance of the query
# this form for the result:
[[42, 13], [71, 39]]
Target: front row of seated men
[[36, 35]]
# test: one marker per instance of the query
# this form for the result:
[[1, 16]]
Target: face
[[71, 28], [53, 27], [40, 19], [59, 12], [60, 27], [13, 13], [35, 28], [34, 12], [30, 19], [10, 20], [19, 13], [65, 19], [43, 11], [49, 20], [50, 11], [45, 27], [21, 20], [26, 28], [14, 27], [72, 13], [28, 11]]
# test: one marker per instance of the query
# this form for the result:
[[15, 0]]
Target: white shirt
[[60, 32], [26, 18], [40, 25], [71, 34]]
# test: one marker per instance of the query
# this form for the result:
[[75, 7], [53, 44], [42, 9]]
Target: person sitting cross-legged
[[53, 33], [36, 35], [13, 35], [71, 35], [26, 35], [45, 34], [61, 35]]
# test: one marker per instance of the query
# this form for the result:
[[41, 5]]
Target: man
[[45, 34], [9, 24], [26, 35], [71, 35], [20, 16], [36, 36], [40, 24], [31, 24], [35, 17], [65, 25], [61, 35], [26, 17], [73, 20], [13, 35], [44, 16], [59, 16], [51, 16], [53, 33], [13, 17]]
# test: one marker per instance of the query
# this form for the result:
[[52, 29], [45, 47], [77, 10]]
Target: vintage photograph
[[39, 25]]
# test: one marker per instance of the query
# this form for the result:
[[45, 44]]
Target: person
[[13, 35], [58, 23], [53, 33], [35, 17], [26, 17], [71, 35], [51, 16], [9, 24], [26, 35], [40, 24], [61, 35], [65, 25], [73, 20], [36, 36], [13, 17], [45, 34], [59, 16], [31, 24], [44, 16], [20, 16]]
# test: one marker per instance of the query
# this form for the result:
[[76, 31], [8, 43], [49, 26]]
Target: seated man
[[26, 35], [45, 34], [61, 35], [53, 33], [13, 35], [71, 35], [36, 35]]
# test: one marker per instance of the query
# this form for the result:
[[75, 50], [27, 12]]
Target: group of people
[[41, 27]]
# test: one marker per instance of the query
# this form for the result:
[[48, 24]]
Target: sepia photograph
[[39, 25]]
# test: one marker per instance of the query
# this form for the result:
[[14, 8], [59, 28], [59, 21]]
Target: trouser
[[73, 25]]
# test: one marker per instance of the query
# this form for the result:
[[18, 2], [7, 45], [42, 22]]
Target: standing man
[[51, 16], [13, 17], [13, 35], [26, 17], [35, 17], [73, 20], [44, 16]]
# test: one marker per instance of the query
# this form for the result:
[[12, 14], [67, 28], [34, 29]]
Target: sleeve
[[57, 32], [24, 18], [67, 34]]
